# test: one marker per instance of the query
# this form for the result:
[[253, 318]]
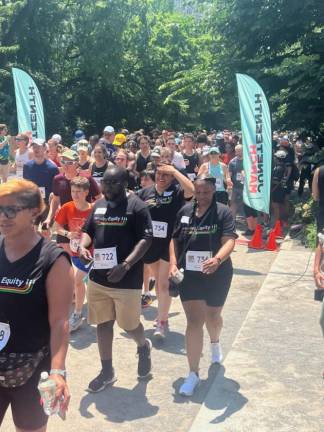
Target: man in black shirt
[[120, 231]]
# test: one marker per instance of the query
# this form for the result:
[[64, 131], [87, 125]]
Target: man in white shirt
[[177, 158]]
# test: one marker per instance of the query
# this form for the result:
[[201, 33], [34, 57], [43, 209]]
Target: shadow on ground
[[119, 404]]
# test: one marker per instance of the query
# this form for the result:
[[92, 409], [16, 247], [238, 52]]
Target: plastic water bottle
[[47, 388]]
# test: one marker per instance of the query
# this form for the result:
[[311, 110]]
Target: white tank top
[[20, 160]]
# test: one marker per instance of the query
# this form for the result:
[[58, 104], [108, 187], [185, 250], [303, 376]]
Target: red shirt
[[62, 189], [74, 219]]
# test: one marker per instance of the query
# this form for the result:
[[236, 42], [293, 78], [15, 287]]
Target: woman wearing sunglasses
[[36, 286]]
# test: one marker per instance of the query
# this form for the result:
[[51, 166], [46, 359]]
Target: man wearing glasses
[[62, 187]]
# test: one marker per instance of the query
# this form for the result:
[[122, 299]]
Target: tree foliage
[[141, 63]]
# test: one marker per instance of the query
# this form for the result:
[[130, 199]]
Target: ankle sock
[[106, 366]]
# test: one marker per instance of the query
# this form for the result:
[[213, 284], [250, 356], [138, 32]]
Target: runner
[[235, 168], [73, 215], [62, 188], [164, 200], [40, 170], [219, 171], [121, 160], [177, 158], [190, 156], [34, 307], [203, 239], [107, 140], [4, 153], [143, 156], [83, 152], [100, 163], [120, 230], [54, 151], [23, 154]]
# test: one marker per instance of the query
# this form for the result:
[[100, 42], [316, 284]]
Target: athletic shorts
[[24, 401], [110, 304], [278, 195], [250, 212], [213, 289], [156, 252], [79, 265]]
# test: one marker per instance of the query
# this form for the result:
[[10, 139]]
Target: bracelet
[[61, 372]]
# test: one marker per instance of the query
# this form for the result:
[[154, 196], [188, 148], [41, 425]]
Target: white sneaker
[[75, 321], [191, 382], [216, 352]]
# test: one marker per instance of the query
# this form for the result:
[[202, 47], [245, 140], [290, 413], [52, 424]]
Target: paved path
[[149, 406], [271, 379]]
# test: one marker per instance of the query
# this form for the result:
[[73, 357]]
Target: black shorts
[[250, 212], [24, 401], [212, 288], [157, 251], [278, 195]]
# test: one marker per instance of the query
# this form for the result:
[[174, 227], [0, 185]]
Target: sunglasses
[[11, 211], [68, 162]]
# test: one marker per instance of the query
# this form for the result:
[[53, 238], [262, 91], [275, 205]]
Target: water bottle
[[47, 388]]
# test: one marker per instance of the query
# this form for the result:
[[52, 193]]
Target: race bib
[[105, 258], [74, 245], [219, 183], [239, 177], [4, 334], [160, 229], [195, 259], [19, 172], [42, 191], [191, 176]]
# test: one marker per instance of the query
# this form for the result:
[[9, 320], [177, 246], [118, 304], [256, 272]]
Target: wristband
[[61, 372], [219, 260]]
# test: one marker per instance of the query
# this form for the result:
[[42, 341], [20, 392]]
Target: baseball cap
[[214, 150], [79, 134], [71, 155], [57, 137], [156, 152], [109, 129], [38, 141], [119, 139]]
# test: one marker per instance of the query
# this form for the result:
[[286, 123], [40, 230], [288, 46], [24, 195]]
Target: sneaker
[[216, 352], [151, 284], [146, 300], [75, 321], [160, 330], [101, 381], [144, 359], [191, 382]]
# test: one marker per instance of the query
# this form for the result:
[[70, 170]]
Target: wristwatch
[[127, 265]]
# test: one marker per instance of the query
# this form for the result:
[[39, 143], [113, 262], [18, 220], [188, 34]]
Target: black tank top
[[23, 299], [98, 172], [321, 187]]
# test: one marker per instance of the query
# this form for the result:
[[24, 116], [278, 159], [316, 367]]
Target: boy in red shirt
[[69, 221]]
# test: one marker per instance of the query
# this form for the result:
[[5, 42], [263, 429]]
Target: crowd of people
[[114, 217]]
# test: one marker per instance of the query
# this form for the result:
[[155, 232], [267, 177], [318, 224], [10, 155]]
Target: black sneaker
[[101, 381], [144, 360]]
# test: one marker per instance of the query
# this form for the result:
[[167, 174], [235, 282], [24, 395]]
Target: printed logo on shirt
[[118, 221], [16, 285], [158, 201], [202, 230]]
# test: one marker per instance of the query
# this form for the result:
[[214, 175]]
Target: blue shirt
[[41, 174]]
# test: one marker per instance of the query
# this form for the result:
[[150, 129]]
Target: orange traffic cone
[[278, 229], [272, 244], [256, 242]]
